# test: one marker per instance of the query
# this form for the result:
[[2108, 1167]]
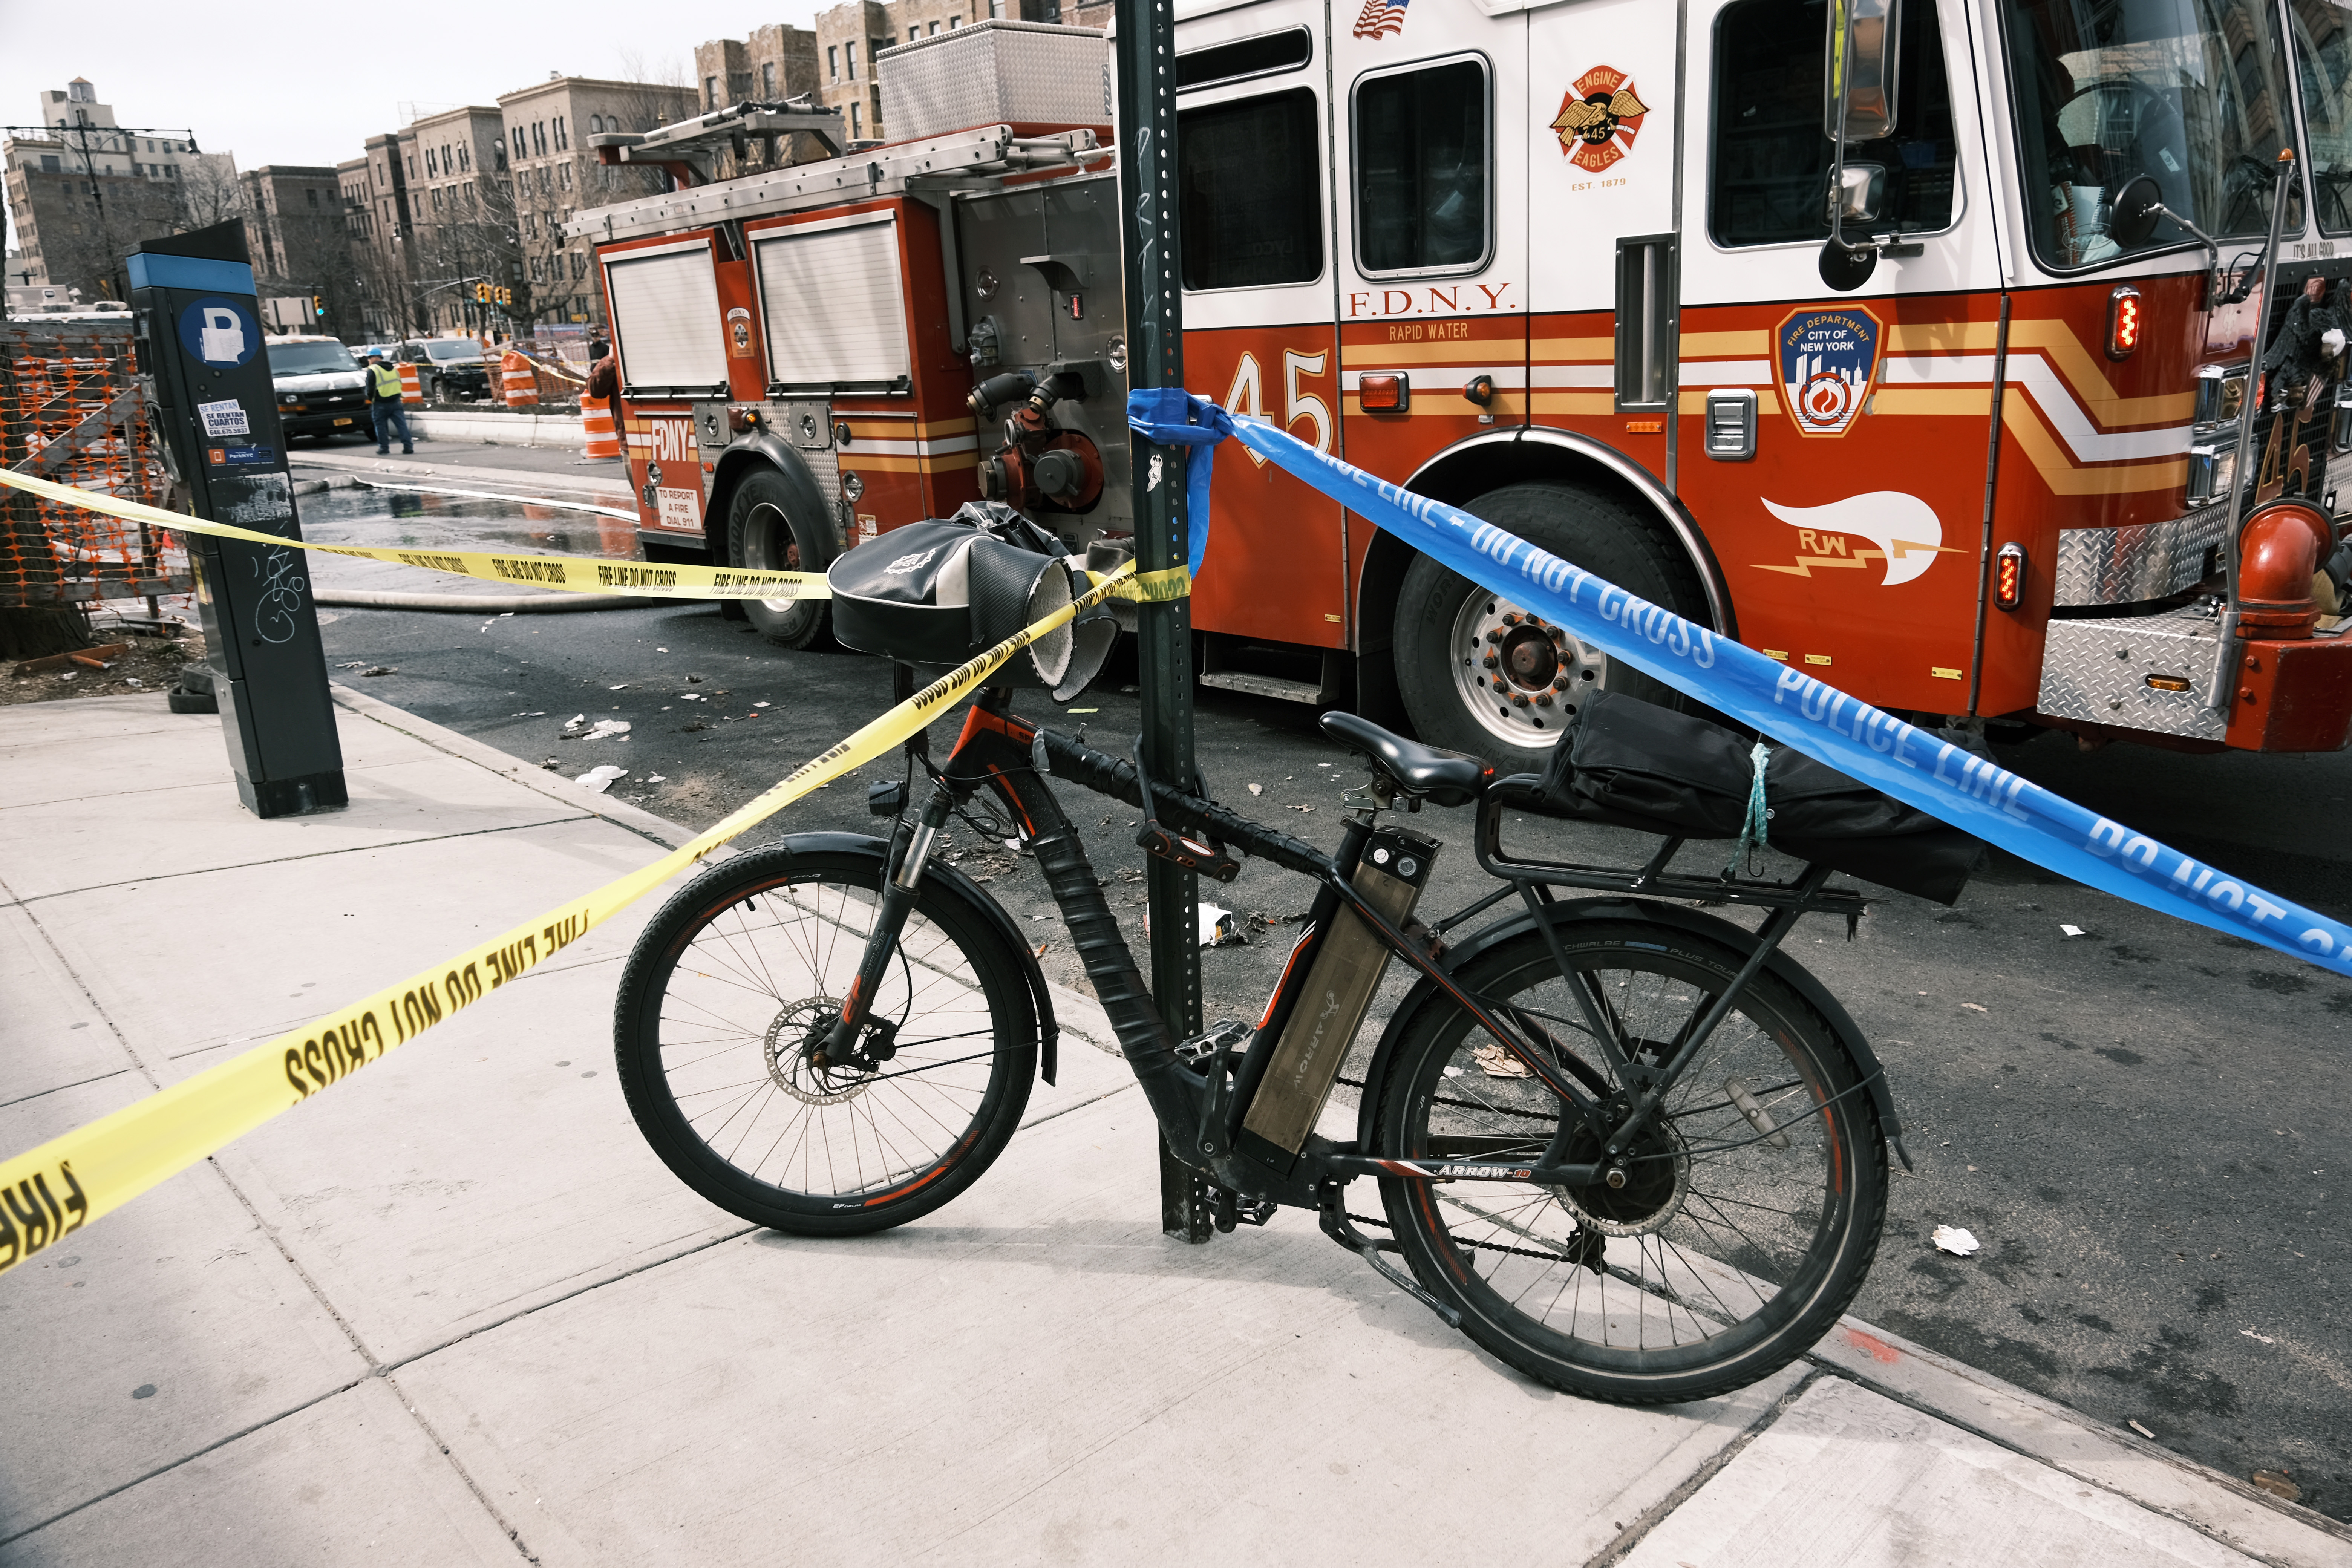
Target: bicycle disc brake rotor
[[1657, 1179], [787, 1052]]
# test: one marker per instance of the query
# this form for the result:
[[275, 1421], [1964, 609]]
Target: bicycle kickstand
[[1336, 1224]]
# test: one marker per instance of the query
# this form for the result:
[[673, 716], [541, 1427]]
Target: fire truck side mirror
[[1862, 193], [1868, 81], [1847, 267], [2139, 205]]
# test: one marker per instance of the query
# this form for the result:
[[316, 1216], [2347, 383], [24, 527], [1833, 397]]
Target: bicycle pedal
[[1226, 1033]]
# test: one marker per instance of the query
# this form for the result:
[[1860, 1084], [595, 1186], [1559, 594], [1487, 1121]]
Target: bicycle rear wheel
[[740, 974], [1751, 1210]]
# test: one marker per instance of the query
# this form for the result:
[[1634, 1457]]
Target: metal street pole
[[1155, 357]]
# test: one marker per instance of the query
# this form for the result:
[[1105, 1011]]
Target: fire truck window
[[1769, 175], [2188, 93], [1250, 172], [2322, 59], [1423, 170]]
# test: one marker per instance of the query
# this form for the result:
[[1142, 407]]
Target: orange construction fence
[[71, 411]]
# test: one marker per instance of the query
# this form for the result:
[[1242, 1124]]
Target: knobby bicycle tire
[[716, 1006], [1750, 1214]]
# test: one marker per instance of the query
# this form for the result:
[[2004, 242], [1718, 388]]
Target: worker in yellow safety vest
[[383, 407]]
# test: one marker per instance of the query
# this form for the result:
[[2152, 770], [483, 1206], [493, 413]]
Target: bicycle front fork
[[856, 1040]]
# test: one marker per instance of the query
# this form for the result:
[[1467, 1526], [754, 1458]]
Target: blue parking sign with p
[[219, 333]]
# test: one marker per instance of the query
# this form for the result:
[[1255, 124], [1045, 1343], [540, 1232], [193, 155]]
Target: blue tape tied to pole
[[1791, 707]]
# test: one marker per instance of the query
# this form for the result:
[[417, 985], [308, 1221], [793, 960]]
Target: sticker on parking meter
[[240, 457], [220, 332], [226, 417]]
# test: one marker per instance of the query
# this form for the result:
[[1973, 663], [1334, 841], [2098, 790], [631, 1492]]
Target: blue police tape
[[1791, 707]]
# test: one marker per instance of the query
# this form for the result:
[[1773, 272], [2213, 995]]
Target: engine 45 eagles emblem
[[1599, 118]]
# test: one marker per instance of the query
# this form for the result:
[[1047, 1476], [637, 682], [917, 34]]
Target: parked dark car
[[448, 369], [321, 390]]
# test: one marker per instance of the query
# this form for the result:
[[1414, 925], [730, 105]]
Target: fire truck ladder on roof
[[966, 159]]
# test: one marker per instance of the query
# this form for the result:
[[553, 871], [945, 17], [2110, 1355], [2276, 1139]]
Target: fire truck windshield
[[2189, 92]]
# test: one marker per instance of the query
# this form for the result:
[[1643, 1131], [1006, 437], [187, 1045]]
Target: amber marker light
[[2009, 575], [2123, 322], [1387, 394]]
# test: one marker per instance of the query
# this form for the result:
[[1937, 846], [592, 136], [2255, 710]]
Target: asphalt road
[[2148, 1126]]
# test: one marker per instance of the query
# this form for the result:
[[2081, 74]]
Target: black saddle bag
[[1632, 763], [938, 593]]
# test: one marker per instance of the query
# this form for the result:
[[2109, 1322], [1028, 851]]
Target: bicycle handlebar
[[1105, 774]]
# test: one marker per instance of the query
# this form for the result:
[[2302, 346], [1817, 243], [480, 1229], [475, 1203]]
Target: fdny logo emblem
[[1380, 18], [1599, 118], [1898, 529], [1828, 361]]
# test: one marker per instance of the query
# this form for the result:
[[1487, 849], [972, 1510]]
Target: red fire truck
[[1936, 387]]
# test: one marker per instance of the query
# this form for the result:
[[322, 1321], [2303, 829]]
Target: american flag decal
[[1380, 18]]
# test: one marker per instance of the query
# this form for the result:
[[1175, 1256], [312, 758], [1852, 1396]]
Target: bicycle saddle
[[1440, 777]]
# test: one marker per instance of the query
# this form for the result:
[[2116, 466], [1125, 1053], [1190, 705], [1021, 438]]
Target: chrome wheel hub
[[1521, 676]]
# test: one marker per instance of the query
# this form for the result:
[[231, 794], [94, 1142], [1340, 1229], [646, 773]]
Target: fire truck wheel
[[1479, 674], [775, 525]]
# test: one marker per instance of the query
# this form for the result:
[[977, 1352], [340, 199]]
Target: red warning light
[[2009, 576], [2123, 322]]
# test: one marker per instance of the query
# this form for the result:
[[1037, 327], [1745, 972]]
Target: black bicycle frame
[[1201, 1106]]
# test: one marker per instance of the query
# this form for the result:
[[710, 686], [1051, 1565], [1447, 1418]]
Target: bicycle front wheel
[[736, 979], [1747, 1214]]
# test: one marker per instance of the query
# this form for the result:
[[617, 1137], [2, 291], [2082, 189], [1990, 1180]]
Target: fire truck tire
[[1477, 674], [775, 525]]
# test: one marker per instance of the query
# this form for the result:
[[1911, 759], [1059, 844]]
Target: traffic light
[[506, 296], [318, 307], [482, 293]]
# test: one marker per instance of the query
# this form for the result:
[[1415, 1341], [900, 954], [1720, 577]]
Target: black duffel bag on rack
[[1632, 763], [935, 593]]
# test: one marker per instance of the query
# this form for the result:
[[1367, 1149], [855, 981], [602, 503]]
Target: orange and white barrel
[[520, 380], [596, 418], [411, 389]]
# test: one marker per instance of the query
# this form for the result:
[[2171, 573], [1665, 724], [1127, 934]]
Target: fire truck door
[[1434, 127], [1833, 445], [1253, 170]]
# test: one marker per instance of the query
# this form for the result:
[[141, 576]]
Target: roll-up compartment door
[[833, 305], [667, 324]]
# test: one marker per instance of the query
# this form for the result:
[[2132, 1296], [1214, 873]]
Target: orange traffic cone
[[411, 390], [520, 380], [603, 441]]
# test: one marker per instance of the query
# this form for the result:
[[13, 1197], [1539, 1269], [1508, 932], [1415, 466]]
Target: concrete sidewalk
[[456, 1311]]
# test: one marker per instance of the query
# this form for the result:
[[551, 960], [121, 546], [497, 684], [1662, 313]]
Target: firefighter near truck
[[1994, 375]]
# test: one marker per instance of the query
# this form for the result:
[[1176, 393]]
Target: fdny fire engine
[[1941, 348]]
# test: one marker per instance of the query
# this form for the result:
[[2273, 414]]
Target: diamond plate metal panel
[[2098, 671], [2145, 561], [995, 73]]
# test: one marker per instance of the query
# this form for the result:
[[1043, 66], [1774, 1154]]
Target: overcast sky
[[284, 83]]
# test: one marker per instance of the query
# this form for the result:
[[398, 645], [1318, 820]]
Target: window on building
[[539, 137], [710, 92], [538, 270], [428, 162], [579, 267], [914, 31], [851, 50], [996, 9], [49, 165], [313, 194], [1251, 191], [530, 226], [562, 137], [502, 166], [437, 198], [856, 132], [1423, 169], [953, 23], [521, 151], [563, 175], [172, 169], [412, 165], [768, 81], [465, 158], [832, 62]]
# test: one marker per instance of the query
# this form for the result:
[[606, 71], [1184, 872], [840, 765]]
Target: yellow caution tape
[[1157, 587], [572, 573], [71, 1180]]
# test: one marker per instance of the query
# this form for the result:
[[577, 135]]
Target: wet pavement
[[2148, 1126]]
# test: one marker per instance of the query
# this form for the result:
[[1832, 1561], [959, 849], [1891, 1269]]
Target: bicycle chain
[[1477, 1246]]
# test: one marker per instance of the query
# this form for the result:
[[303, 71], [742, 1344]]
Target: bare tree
[[209, 191]]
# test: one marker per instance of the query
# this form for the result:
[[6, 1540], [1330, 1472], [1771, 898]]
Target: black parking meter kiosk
[[215, 419]]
